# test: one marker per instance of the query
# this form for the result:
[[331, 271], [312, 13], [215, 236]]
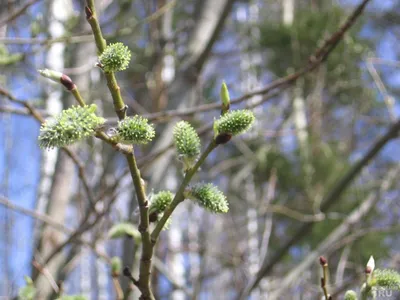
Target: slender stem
[[118, 290], [147, 247], [179, 197], [119, 105], [77, 96], [91, 16], [324, 281], [123, 148], [120, 109]]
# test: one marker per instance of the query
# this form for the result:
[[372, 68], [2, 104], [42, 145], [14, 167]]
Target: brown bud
[[88, 12], [223, 138], [153, 217], [322, 261], [368, 270], [67, 82], [127, 272]]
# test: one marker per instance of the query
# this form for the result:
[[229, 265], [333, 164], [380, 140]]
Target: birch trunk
[[55, 187]]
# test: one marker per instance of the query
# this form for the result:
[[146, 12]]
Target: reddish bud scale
[[223, 138], [368, 270], [323, 261], [67, 82], [88, 12]]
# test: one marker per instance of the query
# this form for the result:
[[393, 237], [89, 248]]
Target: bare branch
[[18, 12]]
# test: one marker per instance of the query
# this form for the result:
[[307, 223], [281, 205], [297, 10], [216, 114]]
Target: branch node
[[127, 273], [142, 228], [121, 113], [88, 12]]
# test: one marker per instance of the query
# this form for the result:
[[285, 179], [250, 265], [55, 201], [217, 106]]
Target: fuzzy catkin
[[115, 57], [135, 130], [160, 201], [208, 196], [70, 126], [234, 122]]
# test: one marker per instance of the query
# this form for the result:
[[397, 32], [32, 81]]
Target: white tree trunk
[[250, 82], [54, 187], [182, 92]]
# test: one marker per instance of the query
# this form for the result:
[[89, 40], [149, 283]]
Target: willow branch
[[179, 197], [17, 13], [92, 18], [120, 109]]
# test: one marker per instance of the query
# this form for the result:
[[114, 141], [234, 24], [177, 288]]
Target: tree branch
[[179, 197], [120, 109], [17, 13]]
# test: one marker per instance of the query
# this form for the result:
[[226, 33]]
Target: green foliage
[[386, 278], [289, 47], [116, 266], [234, 122], [115, 57], [208, 196], [122, 230], [7, 58], [160, 201], [27, 292], [72, 125], [135, 130], [350, 295], [271, 159], [187, 143]]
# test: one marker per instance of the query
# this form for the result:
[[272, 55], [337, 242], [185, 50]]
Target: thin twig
[[34, 214], [320, 55], [179, 197], [45, 272], [19, 111], [38, 116], [389, 101], [17, 13], [118, 289]]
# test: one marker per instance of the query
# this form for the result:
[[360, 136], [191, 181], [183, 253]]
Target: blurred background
[[295, 188]]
